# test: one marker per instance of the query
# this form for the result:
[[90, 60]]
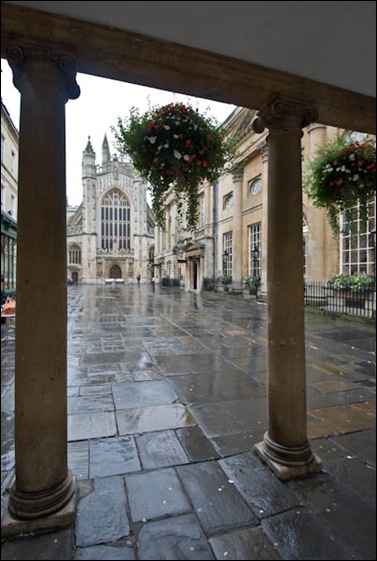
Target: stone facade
[[231, 237], [111, 234]]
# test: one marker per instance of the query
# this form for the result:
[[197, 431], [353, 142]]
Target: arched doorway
[[115, 272]]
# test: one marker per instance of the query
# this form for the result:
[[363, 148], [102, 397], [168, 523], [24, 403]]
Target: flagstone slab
[[251, 544], [113, 456], [344, 419], [148, 419], [91, 425], [102, 515], [156, 494]]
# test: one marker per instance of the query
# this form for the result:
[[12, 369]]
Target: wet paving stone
[[217, 503], [160, 449], [7, 441], [327, 386], [155, 495], [56, 545], [331, 399], [369, 408], [214, 386], [113, 456], [238, 442], [355, 475], [180, 537], [148, 419], [262, 490], [90, 403], [299, 534], [91, 425], [105, 553], [222, 418], [197, 446], [78, 459], [332, 502], [101, 515], [143, 394], [361, 444], [344, 419], [250, 544]]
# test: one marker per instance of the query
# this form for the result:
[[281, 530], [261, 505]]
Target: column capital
[[29, 57], [285, 109], [237, 176]]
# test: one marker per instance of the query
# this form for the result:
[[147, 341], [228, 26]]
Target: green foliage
[[225, 279], [251, 281], [342, 174], [355, 283], [174, 146]]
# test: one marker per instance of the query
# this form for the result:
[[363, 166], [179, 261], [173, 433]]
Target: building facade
[[231, 238], [111, 234], [9, 189]]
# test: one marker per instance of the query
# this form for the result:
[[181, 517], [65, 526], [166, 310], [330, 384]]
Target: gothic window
[[74, 254], [115, 221], [255, 249], [357, 251]]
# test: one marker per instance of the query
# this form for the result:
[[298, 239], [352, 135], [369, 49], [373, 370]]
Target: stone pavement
[[167, 396]]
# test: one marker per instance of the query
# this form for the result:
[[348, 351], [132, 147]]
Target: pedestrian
[[154, 282], [138, 278]]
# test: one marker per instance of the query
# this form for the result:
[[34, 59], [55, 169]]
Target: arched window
[[74, 254], [115, 221]]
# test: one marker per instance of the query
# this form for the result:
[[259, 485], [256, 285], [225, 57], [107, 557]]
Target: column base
[[11, 526], [283, 465]]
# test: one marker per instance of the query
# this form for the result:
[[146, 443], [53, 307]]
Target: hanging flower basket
[[174, 146], [340, 176]]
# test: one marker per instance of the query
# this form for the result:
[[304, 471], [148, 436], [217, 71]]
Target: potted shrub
[[175, 147], [225, 281], [341, 175], [251, 283]]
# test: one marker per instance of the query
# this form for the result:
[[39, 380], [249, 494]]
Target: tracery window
[[115, 221]]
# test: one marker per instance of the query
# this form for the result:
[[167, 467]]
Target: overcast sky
[[94, 113]]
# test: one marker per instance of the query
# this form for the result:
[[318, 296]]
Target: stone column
[[285, 447], [42, 496], [237, 226], [263, 149], [319, 224]]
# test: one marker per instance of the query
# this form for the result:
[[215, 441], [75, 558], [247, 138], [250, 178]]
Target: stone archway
[[115, 272]]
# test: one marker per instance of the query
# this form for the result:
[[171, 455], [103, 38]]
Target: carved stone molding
[[26, 50], [283, 108], [263, 149], [237, 177]]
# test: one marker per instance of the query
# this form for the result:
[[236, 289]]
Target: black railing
[[322, 295]]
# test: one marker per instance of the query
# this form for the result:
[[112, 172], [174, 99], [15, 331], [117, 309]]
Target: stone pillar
[[316, 266], [42, 496], [285, 447], [263, 149], [237, 226]]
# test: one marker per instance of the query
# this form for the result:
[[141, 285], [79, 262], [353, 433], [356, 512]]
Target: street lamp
[[372, 237], [255, 254], [225, 262]]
